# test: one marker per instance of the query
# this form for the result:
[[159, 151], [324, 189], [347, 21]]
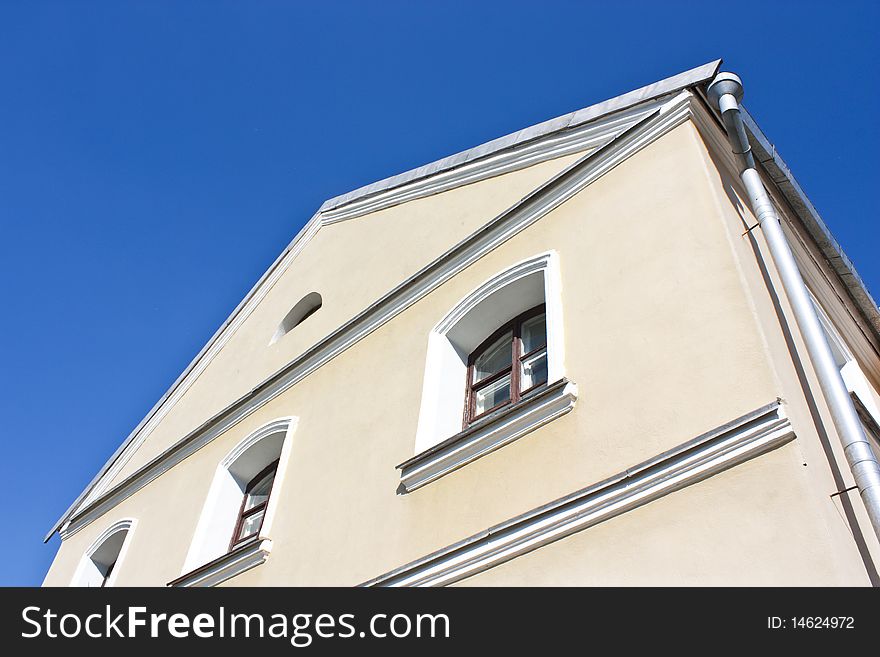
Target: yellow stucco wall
[[351, 264], [742, 527], [667, 335]]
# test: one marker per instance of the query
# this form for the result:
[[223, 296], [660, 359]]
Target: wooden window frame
[[514, 326], [244, 515]]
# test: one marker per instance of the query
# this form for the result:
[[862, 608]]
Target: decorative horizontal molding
[[720, 449], [157, 467], [583, 138], [588, 115], [509, 223], [495, 431], [549, 147], [586, 128], [227, 566]]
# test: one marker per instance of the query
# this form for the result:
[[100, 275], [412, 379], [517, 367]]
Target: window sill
[[227, 566], [490, 433]]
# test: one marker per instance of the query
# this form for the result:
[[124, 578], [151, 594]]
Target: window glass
[[251, 524], [534, 370], [505, 367], [534, 333], [492, 395], [495, 358], [259, 493], [253, 506]]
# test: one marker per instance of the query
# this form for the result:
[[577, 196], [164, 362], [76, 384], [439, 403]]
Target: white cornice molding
[[588, 115], [813, 247], [580, 129], [718, 450], [548, 147], [494, 432], [545, 148], [778, 171], [523, 214], [226, 567], [581, 139]]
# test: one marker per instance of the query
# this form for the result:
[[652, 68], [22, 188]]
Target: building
[[565, 356]]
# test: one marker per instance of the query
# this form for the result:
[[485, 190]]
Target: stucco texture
[[661, 338]]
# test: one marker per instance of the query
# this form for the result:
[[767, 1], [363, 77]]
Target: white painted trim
[[487, 436], [280, 478], [228, 566], [199, 551], [599, 132], [433, 407], [524, 213], [555, 320], [126, 525], [582, 139], [588, 115], [713, 452], [549, 130], [475, 297], [199, 364], [286, 424]]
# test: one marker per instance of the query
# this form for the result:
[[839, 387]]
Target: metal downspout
[[725, 92]]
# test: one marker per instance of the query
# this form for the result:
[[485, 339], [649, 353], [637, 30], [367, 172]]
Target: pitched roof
[[692, 78], [568, 121]]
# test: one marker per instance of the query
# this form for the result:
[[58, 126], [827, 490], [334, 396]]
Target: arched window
[[304, 308], [233, 531], [451, 390], [495, 360], [100, 564], [509, 364], [253, 505]]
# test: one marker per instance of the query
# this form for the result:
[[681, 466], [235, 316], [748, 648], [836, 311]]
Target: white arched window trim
[[209, 561], [441, 445], [85, 574]]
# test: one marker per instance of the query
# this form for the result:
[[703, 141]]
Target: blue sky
[[155, 157]]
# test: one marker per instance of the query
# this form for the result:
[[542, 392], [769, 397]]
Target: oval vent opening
[[303, 309]]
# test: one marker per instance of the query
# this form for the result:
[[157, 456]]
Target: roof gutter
[[767, 155], [725, 93], [686, 79]]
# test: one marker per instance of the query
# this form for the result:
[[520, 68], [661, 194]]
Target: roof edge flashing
[[655, 90], [767, 154]]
